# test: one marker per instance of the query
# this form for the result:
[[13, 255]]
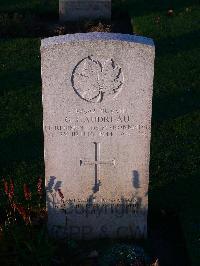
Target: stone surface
[[74, 10], [97, 101]]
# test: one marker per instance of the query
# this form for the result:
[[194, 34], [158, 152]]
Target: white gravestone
[[97, 102], [75, 10]]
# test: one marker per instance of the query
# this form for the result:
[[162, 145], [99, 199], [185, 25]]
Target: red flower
[[27, 193], [11, 190], [6, 190], [22, 212], [39, 186]]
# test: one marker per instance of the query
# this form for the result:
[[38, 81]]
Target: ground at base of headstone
[[165, 246], [24, 240]]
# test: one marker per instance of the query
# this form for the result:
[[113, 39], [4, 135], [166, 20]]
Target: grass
[[21, 138], [174, 179], [174, 168]]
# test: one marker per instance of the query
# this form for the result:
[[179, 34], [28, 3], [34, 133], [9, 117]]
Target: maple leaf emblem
[[93, 81]]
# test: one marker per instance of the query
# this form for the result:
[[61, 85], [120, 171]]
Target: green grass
[[174, 179], [21, 140], [174, 168]]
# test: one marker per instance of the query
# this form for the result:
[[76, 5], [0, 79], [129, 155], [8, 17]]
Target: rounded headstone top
[[94, 36]]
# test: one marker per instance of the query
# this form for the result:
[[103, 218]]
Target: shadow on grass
[[18, 79], [22, 147], [170, 46], [175, 105], [182, 96]]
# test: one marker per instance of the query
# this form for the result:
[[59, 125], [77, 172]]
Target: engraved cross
[[97, 162]]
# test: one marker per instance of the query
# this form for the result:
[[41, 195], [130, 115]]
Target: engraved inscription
[[99, 122], [96, 80]]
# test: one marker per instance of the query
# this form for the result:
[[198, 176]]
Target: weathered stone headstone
[[97, 100], [74, 10]]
